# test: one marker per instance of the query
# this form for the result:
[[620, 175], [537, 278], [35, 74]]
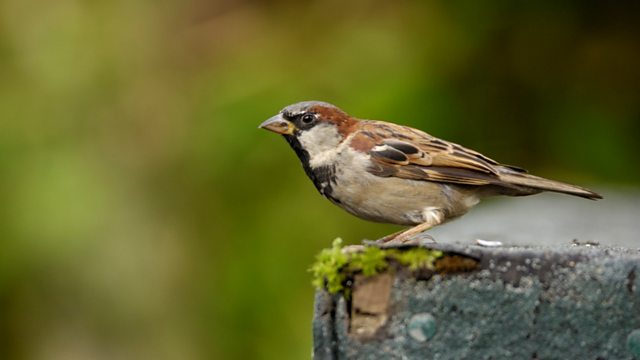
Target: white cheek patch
[[319, 139], [321, 142]]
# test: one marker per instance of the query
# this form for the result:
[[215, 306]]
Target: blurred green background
[[143, 214]]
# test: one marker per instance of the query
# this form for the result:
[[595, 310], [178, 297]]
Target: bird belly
[[397, 201]]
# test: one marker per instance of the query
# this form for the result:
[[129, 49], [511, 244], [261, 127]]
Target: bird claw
[[351, 249], [367, 242], [395, 240], [423, 238]]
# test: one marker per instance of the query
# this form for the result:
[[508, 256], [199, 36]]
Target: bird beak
[[278, 125]]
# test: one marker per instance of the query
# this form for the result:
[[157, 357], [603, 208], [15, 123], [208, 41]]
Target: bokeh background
[[143, 215]]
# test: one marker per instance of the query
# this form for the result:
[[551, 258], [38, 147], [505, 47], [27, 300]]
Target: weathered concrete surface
[[537, 297], [550, 220]]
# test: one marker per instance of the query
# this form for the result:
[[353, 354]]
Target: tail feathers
[[536, 182]]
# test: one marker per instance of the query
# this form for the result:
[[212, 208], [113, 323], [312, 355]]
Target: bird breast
[[385, 199]]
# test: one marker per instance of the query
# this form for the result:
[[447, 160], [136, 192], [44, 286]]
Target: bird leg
[[387, 238], [432, 216], [409, 234]]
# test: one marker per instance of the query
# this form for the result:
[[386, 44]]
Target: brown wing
[[408, 153]]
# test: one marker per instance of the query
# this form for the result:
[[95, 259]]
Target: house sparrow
[[395, 174]]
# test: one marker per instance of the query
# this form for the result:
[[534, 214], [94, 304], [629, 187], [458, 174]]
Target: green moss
[[333, 266], [328, 266], [370, 261], [417, 258]]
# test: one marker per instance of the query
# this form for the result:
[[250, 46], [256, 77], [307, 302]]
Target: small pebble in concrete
[[633, 342], [488, 243], [422, 327]]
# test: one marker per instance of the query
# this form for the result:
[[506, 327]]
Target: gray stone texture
[[547, 293]]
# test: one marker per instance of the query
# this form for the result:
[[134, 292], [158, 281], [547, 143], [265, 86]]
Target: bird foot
[[397, 239], [351, 249], [417, 239]]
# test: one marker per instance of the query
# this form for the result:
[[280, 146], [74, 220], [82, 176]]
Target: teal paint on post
[[633, 343], [422, 327]]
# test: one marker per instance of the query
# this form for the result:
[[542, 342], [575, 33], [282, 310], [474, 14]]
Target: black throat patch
[[323, 177]]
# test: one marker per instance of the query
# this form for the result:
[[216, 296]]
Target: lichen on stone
[[333, 266], [371, 261], [417, 258], [327, 268]]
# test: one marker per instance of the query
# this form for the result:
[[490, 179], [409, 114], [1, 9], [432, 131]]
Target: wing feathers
[[389, 154], [408, 153], [421, 156], [405, 147]]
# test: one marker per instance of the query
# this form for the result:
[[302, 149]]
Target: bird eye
[[308, 118]]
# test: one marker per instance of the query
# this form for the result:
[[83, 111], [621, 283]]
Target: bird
[[389, 173]]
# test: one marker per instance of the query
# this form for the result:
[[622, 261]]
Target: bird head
[[311, 126]]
